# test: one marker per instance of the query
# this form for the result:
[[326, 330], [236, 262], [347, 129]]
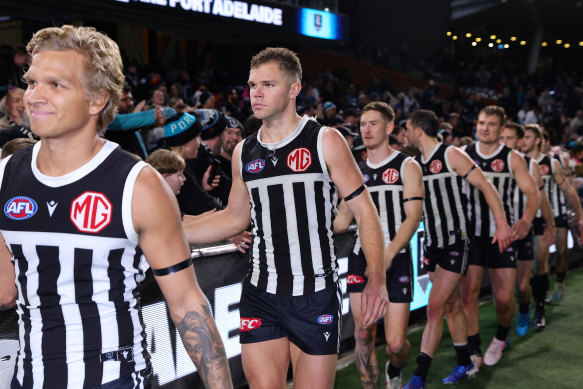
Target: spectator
[[14, 109], [171, 166], [231, 136]]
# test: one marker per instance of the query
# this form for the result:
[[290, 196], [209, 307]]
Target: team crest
[[91, 212], [544, 169], [299, 160], [435, 166], [390, 176], [497, 165]]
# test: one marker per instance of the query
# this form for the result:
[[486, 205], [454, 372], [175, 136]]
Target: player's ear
[[98, 103], [296, 87]]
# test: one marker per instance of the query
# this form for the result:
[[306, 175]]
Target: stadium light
[[468, 34], [454, 37], [567, 45], [513, 38], [492, 37], [558, 42], [544, 44], [448, 33], [474, 44], [498, 40], [506, 45], [478, 39], [522, 43], [490, 44]]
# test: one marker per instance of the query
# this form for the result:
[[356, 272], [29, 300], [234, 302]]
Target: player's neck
[[278, 128], [380, 153], [488, 148], [427, 145], [60, 156], [534, 154]]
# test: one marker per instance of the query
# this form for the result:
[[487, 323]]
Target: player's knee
[[435, 310], [505, 300], [395, 346]]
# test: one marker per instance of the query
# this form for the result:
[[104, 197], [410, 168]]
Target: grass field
[[552, 358]]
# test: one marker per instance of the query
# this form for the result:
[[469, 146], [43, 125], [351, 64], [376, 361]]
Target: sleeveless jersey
[[445, 207], [78, 267], [293, 204], [558, 200], [546, 171], [385, 184], [519, 197], [496, 168]]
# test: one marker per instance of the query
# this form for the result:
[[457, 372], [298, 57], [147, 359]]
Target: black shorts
[[486, 254], [561, 221], [538, 225], [312, 321], [138, 380], [524, 246], [453, 258], [399, 276]]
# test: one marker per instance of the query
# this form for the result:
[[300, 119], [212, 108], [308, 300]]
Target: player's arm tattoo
[[204, 346]]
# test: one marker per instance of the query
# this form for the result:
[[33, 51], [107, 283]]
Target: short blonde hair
[[103, 71], [166, 161]]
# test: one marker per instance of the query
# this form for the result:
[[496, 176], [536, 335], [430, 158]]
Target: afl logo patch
[[435, 167], [497, 165], [544, 169], [404, 279], [326, 320], [366, 177], [255, 166], [390, 176], [20, 208], [299, 160], [91, 212]]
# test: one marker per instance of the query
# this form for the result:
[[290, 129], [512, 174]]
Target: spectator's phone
[[215, 165]]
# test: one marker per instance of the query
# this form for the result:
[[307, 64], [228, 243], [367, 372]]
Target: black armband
[[542, 187], [355, 193], [173, 269], [469, 171], [412, 198]]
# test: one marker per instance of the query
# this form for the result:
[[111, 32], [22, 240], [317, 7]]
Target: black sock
[[423, 362], [501, 332], [560, 276], [462, 352], [538, 290], [523, 307], [393, 371], [474, 344]]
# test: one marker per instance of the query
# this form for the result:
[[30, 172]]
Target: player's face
[[374, 130], [175, 180], [488, 128], [509, 138], [528, 142], [55, 100], [410, 135], [271, 91]]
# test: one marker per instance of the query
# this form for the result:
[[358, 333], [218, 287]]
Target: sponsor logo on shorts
[[390, 176], [20, 208], [497, 165], [435, 166], [404, 279], [404, 290], [249, 324], [255, 166], [299, 160], [454, 254], [326, 335], [325, 319], [354, 279]]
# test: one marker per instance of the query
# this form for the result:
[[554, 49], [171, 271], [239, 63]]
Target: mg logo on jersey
[[435, 167], [326, 320], [91, 212], [354, 279], [299, 160], [248, 324], [390, 176], [544, 169], [255, 166], [20, 208], [497, 165]]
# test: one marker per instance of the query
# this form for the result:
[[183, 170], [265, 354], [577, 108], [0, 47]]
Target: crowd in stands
[[153, 97]]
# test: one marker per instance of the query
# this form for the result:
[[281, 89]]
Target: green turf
[[552, 358]]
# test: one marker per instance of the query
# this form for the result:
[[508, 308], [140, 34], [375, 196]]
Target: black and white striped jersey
[[546, 171], [78, 267], [519, 197], [558, 200], [497, 169], [445, 207], [293, 204], [384, 181]]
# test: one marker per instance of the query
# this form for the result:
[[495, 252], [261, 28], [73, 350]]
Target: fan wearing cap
[[232, 135], [329, 117], [181, 134]]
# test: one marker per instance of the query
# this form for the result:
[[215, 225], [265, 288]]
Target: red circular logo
[[435, 166], [299, 160], [497, 165], [390, 176], [544, 169]]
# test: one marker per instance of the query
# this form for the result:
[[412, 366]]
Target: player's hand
[[140, 106], [520, 229], [549, 236], [159, 116], [374, 301], [242, 241], [503, 236]]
